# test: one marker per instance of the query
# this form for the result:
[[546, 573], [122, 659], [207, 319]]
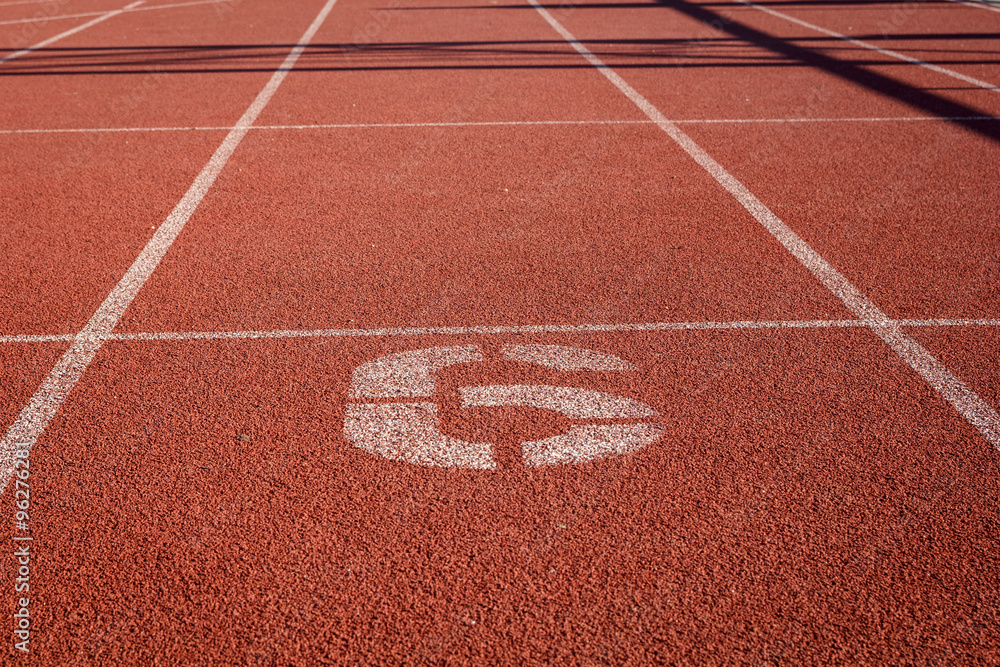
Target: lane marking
[[408, 374], [23, 2], [68, 33], [127, 10], [36, 415], [507, 123], [589, 442], [871, 47], [564, 358], [52, 18], [983, 4], [968, 404], [488, 330], [409, 431], [574, 402]]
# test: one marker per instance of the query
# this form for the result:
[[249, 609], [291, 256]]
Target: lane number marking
[[408, 430]]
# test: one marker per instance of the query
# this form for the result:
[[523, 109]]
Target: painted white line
[[871, 47], [973, 408], [409, 432], [409, 374], [874, 119], [58, 17], [72, 31], [574, 402], [564, 358], [480, 330], [23, 2], [517, 123], [493, 330], [42, 338], [109, 130], [589, 442], [947, 323], [174, 5], [37, 414]]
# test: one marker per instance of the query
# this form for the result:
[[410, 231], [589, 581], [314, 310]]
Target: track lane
[[957, 38], [757, 64], [385, 62], [439, 226], [905, 215], [903, 201], [787, 500], [796, 510], [203, 70], [79, 208]]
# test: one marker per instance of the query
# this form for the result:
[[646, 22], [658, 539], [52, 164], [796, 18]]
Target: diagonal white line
[[71, 31], [871, 47], [973, 408], [37, 414]]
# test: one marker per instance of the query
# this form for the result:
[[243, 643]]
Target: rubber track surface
[[218, 483]]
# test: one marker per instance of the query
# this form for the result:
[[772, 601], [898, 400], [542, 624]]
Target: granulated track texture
[[499, 332]]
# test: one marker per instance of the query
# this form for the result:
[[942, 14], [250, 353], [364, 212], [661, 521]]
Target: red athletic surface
[[812, 501]]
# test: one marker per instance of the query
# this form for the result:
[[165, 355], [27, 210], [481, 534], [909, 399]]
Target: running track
[[768, 230]]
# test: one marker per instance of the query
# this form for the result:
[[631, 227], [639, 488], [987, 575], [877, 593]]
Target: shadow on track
[[744, 47], [853, 71]]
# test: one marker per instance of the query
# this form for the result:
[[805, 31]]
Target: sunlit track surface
[[363, 332]]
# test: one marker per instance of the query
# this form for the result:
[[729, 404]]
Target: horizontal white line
[[44, 18], [23, 2], [500, 123], [945, 323], [515, 329], [874, 119]]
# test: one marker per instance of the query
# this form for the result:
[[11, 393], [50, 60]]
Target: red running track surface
[[454, 176]]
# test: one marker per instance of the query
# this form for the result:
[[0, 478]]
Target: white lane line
[[174, 5], [72, 31], [871, 47], [23, 2], [873, 119], [489, 330], [58, 17], [480, 330], [501, 123], [37, 414], [38, 338], [947, 323], [973, 408]]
